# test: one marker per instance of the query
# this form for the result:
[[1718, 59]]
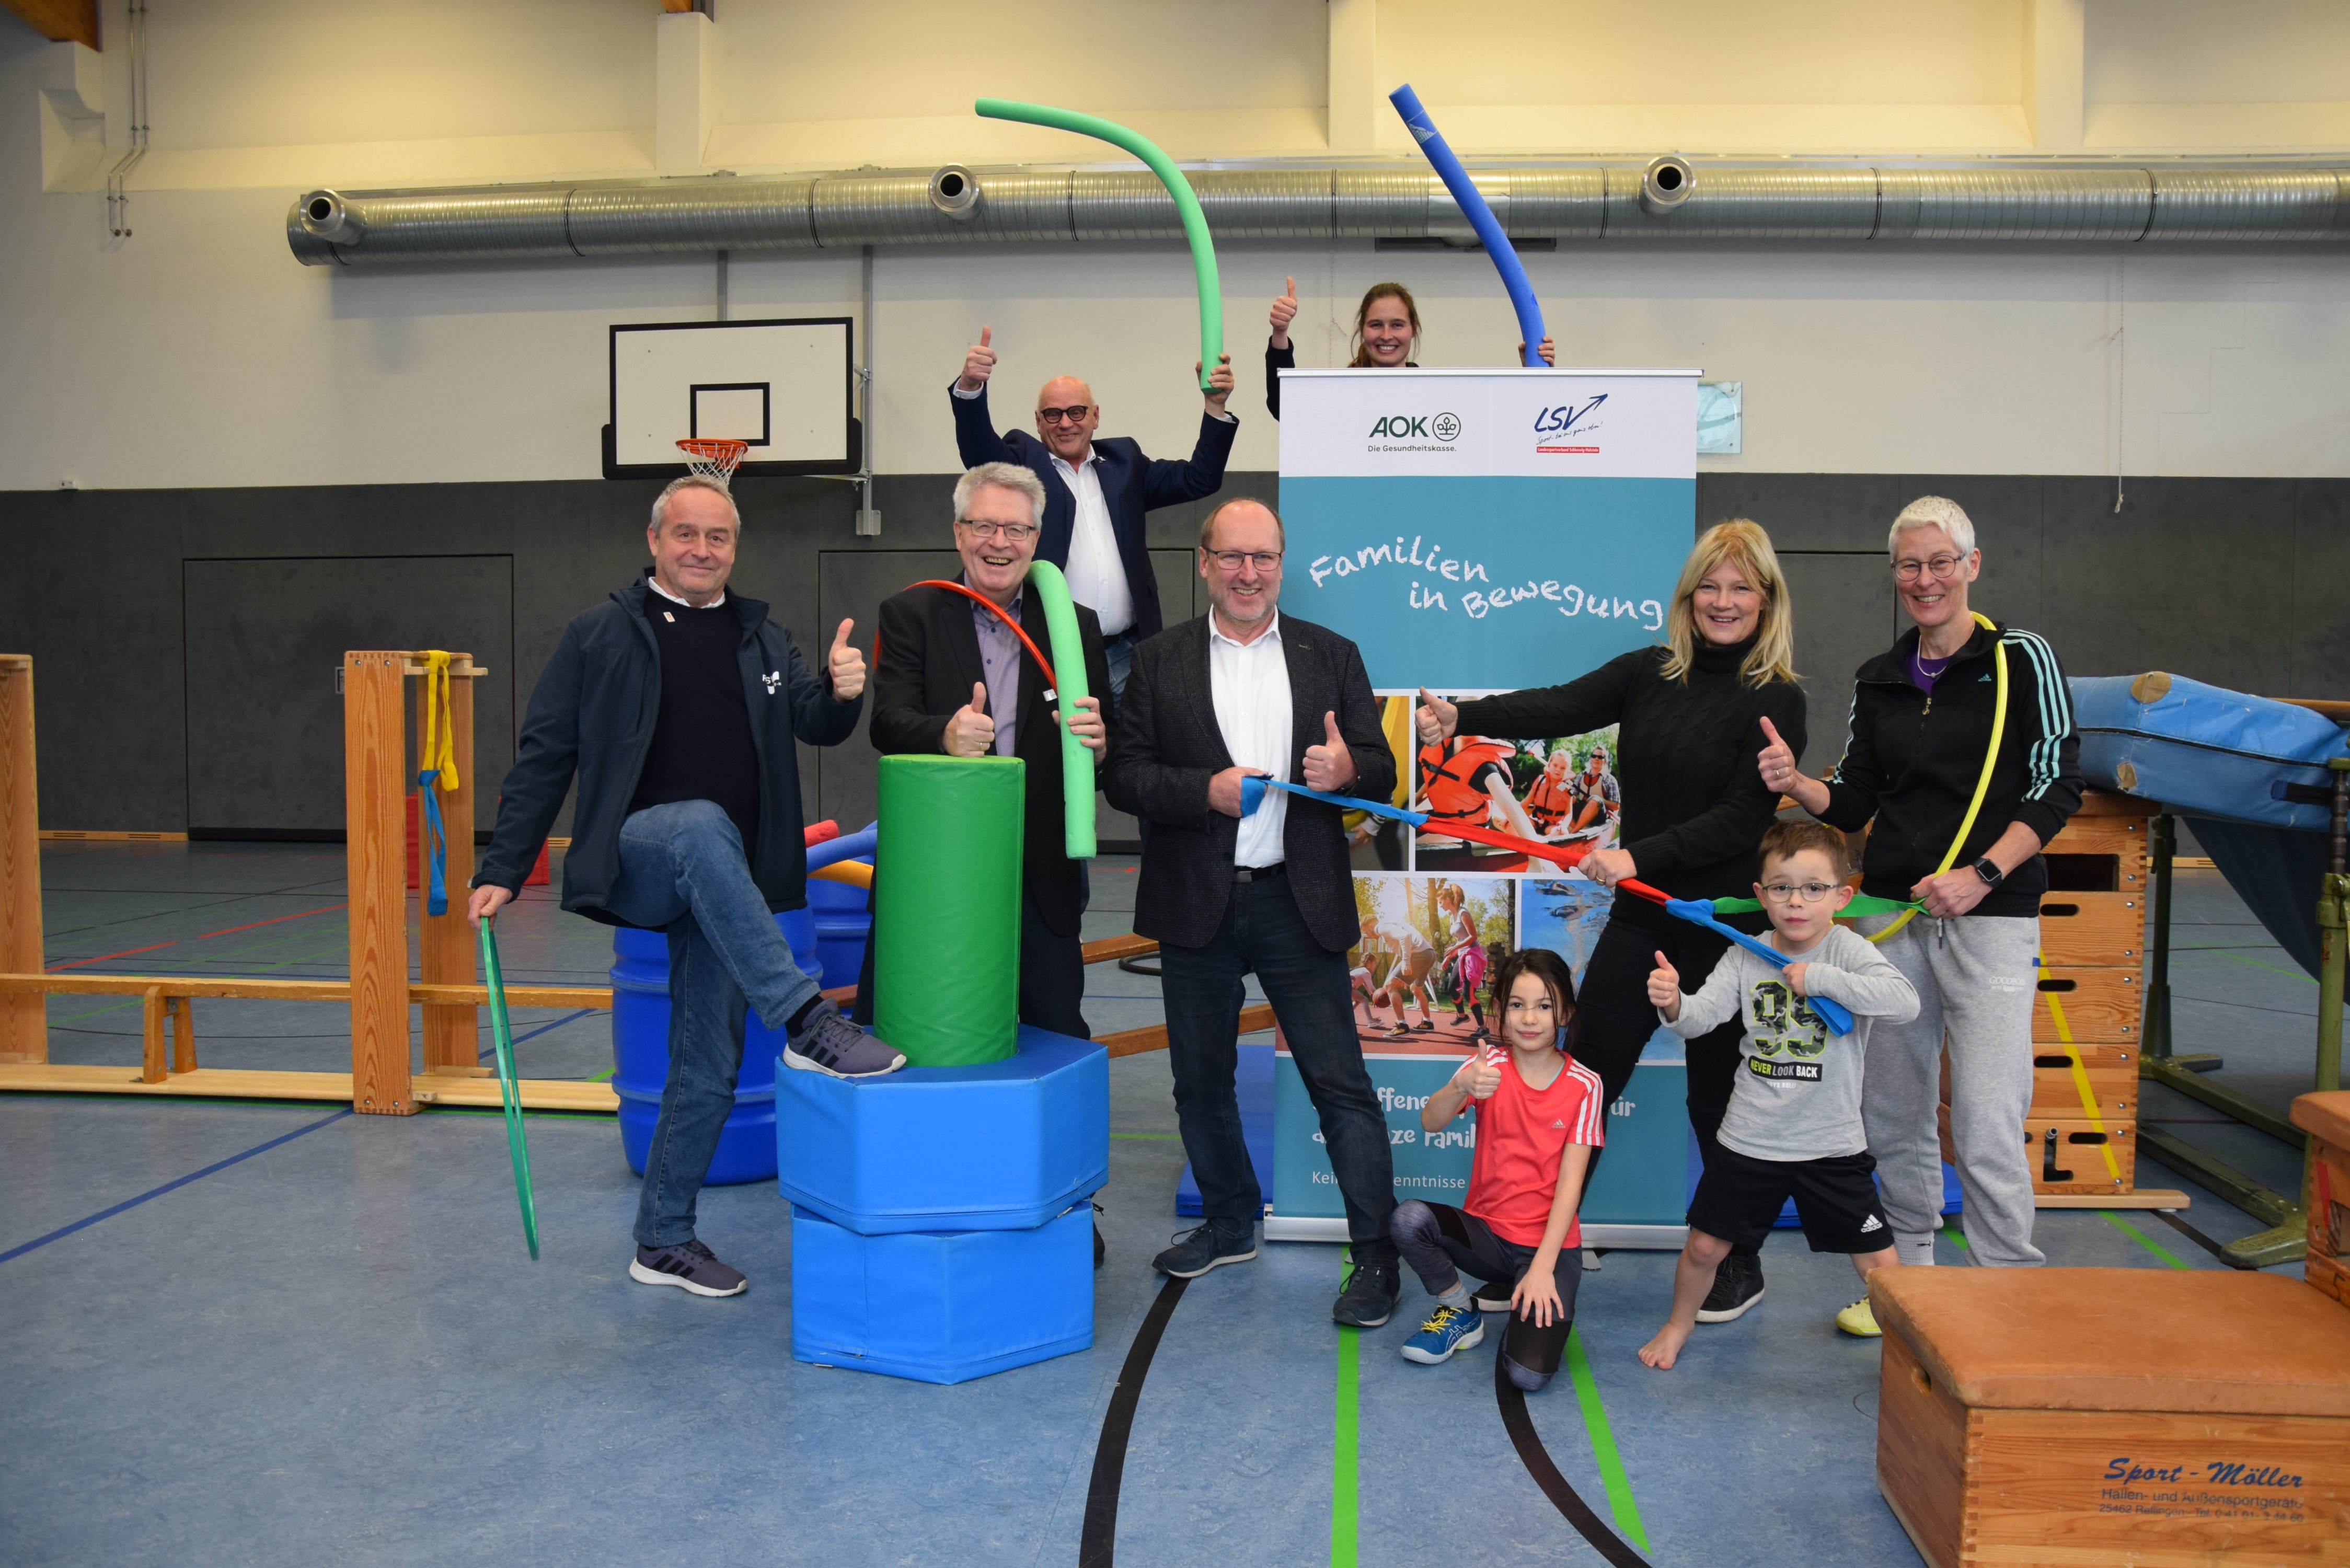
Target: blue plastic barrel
[[746, 1144], [842, 926]]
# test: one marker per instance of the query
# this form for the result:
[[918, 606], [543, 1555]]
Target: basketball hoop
[[713, 459]]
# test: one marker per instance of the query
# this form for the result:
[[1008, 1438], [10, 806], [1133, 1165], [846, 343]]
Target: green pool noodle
[[1069, 669], [1187, 204], [946, 963]]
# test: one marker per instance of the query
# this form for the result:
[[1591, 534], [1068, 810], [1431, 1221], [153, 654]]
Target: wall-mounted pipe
[[1670, 200]]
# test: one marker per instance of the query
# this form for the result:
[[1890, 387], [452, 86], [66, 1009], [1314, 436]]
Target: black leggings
[[1614, 1019], [1440, 1243]]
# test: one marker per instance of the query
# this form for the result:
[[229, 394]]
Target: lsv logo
[[1553, 425], [1424, 427]]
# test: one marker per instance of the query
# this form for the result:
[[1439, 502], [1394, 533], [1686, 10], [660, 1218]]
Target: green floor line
[[1346, 1408], [2273, 968], [1618, 1485], [606, 1072], [2143, 1240], [1950, 1235]]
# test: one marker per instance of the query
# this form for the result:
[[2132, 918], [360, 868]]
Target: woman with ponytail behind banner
[[1692, 810], [1386, 332], [1962, 763]]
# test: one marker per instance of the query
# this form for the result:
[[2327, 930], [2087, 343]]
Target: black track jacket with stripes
[[1911, 762]]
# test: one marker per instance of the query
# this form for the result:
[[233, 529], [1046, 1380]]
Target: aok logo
[[1424, 427]]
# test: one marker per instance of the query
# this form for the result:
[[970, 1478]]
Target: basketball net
[[713, 459]]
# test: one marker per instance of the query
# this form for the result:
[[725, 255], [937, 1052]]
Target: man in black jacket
[[950, 677], [1237, 691], [1095, 491], [677, 707]]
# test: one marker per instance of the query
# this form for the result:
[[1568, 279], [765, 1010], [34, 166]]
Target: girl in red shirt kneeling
[[1538, 1118]]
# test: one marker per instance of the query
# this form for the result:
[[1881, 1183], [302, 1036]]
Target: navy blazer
[[1131, 484]]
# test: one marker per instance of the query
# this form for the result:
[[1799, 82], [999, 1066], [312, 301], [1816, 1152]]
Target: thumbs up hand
[[978, 363], [1437, 717], [1665, 988], [971, 732], [845, 665], [1284, 311], [1330, 766], [1776, 762]]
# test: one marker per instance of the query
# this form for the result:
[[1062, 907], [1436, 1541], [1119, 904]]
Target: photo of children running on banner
[[1561, 791], [1423, 969]]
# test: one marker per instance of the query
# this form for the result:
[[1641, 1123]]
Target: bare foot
[[1661, 1352]]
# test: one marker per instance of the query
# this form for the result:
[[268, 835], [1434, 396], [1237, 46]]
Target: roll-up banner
[[1475, 531]]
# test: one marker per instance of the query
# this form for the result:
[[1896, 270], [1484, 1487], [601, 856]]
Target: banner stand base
[[1631, 1238]]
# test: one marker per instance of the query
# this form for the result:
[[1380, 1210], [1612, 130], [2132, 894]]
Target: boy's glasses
[[1810, 892]]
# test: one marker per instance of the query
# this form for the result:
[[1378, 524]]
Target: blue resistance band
[[1481, 218], [434, 843]]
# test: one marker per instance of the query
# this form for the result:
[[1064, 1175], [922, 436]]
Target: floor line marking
[[1544, 1471], [80, 963], [1612, 1477], [2143, 1240], [1345, 1407], [304, 915], [1950, 1235], [568, 1018], [19, 1251], [1097, 1539]]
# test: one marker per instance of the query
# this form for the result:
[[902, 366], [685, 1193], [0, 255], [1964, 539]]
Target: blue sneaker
[[1448, 1329]]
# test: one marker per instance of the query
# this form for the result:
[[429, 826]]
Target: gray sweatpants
[[1975, 978]]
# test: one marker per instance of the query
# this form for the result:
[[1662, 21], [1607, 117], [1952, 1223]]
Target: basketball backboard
[[786, 387]]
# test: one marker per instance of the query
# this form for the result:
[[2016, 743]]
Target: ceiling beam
[[60, 20]]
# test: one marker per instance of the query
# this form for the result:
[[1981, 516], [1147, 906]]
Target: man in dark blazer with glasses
[[1096, 491], [1245, 689]]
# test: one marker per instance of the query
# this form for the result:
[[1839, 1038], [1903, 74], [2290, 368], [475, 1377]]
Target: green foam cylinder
[[946, 926], [1069, 669]]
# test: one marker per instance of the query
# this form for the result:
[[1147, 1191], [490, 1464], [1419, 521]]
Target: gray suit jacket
[[1166, 746]]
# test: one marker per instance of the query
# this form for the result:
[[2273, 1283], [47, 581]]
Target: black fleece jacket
[[1694, 801], [1911, 762]]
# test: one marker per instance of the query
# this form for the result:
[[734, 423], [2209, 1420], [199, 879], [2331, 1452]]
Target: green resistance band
[[1195, 222], [510, 1091], [1069, 670], [1863, 905]]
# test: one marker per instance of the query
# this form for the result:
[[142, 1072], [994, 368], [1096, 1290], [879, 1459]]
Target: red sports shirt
[[1521, 1135]]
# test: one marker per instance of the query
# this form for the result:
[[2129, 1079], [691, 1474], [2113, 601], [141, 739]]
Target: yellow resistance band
[[2081, 1081], [1982, 784], [438, 754]]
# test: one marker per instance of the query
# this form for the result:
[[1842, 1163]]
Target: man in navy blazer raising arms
[[1095, 491]]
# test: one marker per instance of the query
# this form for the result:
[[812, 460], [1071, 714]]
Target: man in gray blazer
[[1243, 691]]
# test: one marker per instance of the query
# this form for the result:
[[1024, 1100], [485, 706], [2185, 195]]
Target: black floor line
[[2192, 1234], [1537, 1460], [1097, 1544]]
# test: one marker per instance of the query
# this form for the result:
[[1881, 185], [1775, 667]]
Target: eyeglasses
[[1075, 413], [1811, 892], [1013, 533], [1233, 560], [1940, 566]]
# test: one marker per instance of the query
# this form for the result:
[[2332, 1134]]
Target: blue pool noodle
[[1481, 217]]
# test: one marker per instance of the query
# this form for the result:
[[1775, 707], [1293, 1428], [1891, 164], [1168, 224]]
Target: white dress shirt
[[654, 584], [1249, 683], [1096, 572]]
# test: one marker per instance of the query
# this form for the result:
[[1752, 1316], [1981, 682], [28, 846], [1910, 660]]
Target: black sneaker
[[1494, 1295], [1369, 1297], [828, 1042], [1203, 1249], [689, 1266], [1737, 1285]]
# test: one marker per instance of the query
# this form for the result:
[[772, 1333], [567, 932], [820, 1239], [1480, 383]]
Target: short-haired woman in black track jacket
[[1691, 716]]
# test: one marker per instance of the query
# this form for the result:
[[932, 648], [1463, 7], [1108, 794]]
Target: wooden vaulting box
[[2148, 1416]]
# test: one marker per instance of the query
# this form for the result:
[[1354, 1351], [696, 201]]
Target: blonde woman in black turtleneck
[[1694, 807]]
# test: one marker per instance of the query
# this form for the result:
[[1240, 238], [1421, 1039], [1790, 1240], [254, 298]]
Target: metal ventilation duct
[[1664, 200]]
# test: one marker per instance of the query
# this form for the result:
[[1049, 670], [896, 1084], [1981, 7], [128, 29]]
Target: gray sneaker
[[689, 1266], [828, 1042]]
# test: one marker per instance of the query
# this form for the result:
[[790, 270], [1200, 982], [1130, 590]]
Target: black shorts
[[1739, 1198]]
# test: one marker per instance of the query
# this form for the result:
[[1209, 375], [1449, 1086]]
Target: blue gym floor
[[262, 1333]]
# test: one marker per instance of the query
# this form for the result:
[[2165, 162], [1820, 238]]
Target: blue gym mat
[[1253, 1081]]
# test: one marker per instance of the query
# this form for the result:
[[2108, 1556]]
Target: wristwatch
[[1990, 872]]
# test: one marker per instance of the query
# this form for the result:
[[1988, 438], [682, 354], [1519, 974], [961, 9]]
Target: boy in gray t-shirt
[[1793, 1126]]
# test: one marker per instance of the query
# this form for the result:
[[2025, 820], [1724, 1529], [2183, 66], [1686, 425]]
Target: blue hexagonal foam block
[[1003, 1145], [941, 1307]]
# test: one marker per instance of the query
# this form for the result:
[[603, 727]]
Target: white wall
[[199, 353]]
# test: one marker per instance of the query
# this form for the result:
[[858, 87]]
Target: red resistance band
[[1567, 858], [999, 612]]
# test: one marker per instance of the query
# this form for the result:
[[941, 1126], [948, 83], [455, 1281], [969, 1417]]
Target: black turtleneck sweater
[[701, 747], [1694, 802]]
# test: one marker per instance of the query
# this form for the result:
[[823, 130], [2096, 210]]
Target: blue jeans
[[682, 871], [1307, 986]]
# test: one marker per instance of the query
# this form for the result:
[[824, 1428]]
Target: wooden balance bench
[[2152, 1417]]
